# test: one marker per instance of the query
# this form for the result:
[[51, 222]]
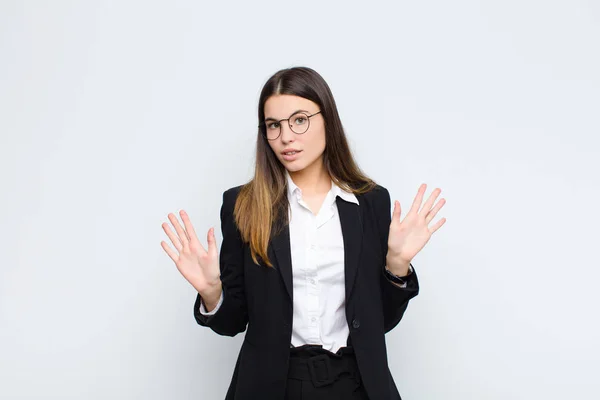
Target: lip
[[288, 150], [292, 157]]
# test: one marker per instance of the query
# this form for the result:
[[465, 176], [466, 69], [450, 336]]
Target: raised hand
[[198, 266], [408, 237]]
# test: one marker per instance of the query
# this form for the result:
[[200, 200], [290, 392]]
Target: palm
[[198, 266], [409, 236], [189, 262]]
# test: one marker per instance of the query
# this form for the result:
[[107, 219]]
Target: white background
[[113, 114]]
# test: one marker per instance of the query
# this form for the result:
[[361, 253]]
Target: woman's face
[[310, 144]]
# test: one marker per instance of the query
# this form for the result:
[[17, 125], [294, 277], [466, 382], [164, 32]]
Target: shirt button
[[312, 246], [311, 280], [313, 319], [355, 323]]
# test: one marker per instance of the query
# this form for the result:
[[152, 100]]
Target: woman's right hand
[[198, 266]]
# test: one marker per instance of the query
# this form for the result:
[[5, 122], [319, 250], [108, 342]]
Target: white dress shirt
[[317, 251]]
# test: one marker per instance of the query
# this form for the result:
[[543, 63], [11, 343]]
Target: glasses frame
[[264, 123]]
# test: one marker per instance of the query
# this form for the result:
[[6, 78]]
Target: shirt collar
[[294, 190]]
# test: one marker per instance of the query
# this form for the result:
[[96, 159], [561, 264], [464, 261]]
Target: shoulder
[[378, 204], [233, 191], [230, 196], [380, 191], [378, 195]]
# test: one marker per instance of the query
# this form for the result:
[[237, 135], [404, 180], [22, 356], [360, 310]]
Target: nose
[[286, 132]]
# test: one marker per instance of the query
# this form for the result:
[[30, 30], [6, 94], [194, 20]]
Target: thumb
[[212, 243], [397, 210]]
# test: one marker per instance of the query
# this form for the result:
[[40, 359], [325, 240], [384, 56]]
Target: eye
[[273, 125], [300, 120]]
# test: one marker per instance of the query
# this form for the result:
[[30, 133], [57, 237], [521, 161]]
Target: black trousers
[[316, 373]]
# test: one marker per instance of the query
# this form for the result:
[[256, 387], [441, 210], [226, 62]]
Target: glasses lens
[[299, 122], [272, 129]]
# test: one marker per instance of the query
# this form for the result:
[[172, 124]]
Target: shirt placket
[[311, 277], [312, 280]]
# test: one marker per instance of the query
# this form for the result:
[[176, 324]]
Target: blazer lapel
[[283, 257], [352, 230], [350, 215]]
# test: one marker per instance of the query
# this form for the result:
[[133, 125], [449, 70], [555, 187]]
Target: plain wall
[[113, 114]]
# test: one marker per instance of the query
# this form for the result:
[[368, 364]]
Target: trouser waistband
[[322, 367]]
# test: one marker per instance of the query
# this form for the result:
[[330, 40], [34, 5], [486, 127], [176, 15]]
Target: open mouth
[[291, 155]]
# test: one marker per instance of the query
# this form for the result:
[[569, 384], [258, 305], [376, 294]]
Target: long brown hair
[[263, 200]]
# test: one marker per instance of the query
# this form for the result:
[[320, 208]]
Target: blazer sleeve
[[394, 298], [214, 310], [232, 316]]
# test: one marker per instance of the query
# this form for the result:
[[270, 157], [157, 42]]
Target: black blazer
[[259, 298]]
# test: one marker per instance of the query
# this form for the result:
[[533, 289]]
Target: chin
[[294, 168]]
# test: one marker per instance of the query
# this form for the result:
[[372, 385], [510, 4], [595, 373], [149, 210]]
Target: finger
[[397, 210], [438, 225], [169, 251], [174, 239], [418, 199], [180, 232], [188, 225], [431, 214], [212, 242], [430, 200]]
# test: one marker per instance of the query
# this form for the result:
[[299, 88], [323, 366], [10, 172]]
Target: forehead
[[282, 105]]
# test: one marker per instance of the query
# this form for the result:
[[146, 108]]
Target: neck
[[312, 180]]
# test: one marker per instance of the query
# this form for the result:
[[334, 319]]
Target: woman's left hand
[[408, 237]]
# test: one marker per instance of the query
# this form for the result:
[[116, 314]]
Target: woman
[[311, 263]]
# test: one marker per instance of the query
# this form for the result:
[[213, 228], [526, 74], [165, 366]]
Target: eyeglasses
[[299, 122]]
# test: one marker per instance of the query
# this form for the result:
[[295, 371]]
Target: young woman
[[312, 266]]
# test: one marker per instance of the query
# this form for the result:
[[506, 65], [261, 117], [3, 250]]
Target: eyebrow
[[273, 119]]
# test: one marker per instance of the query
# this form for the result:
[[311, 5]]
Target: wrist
[[398, 266], [211, 293]]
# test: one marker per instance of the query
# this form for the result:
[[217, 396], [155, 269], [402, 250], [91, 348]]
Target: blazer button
[[355, 323]]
